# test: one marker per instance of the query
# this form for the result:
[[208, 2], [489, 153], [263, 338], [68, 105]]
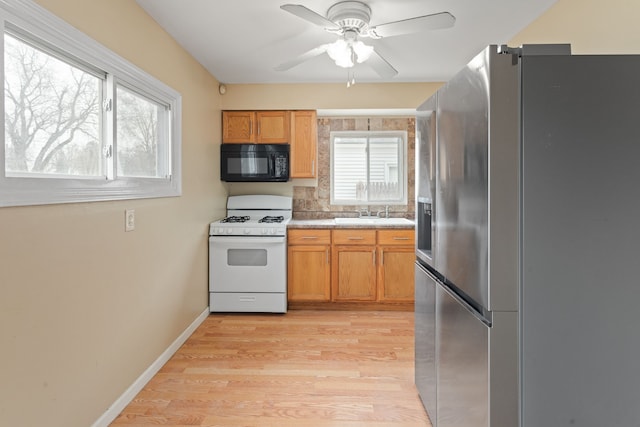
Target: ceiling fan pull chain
[[351, 78]]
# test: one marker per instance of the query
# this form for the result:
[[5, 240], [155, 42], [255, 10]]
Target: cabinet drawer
[[395, 237], [309, 237], [354, 237]]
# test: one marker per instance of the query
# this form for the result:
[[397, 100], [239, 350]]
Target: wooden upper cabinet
[[304, 144], [238, 126], [268, 127], [273, 127]]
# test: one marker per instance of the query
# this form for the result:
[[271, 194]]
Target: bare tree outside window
[[81, 123], [137, 124], [52, 115]]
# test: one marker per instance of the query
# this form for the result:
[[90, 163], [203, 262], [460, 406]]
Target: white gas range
[[248, 255]]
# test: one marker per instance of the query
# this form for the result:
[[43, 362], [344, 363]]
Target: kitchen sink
[[373, 221]]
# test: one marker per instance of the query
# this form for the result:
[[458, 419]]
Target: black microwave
[[254, 162]]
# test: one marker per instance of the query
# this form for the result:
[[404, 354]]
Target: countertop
[[331, 223]]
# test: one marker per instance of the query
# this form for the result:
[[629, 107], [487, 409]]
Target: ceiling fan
[[350, 20]]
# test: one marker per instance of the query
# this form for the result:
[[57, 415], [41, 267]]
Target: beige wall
[[327, 96], [591, 26], [85, 308]]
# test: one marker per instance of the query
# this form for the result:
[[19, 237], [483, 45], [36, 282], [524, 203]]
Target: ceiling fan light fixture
[[341, 53], [363, 51], [345, 53], [338, 49]]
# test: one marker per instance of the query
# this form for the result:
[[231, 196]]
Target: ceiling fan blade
[[304, 57], [381, 66], [309, 15], [436, 21]]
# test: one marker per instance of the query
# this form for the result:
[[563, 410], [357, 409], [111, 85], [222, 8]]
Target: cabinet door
[[396, 274], [309, 273], [304, 144], [273, 127], [238, 126], [353, 273]]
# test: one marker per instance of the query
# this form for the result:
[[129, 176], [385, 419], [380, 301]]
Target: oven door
[[247, 264]]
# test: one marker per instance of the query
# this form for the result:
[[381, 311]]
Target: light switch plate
[[129, 220]]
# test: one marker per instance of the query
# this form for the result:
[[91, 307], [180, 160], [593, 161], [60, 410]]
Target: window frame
[[60, 39], [402, 165]]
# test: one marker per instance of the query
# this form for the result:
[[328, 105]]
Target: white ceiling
[[241, 41]]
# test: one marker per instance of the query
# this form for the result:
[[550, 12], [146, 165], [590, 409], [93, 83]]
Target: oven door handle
[[247, 239]]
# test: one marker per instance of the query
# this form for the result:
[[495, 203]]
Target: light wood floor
[[304, 369]]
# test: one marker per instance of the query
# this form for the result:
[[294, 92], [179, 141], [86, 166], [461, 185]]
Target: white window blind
[[368, 168]]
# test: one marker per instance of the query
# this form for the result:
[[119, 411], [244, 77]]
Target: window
[[80, 123], [368, 168]]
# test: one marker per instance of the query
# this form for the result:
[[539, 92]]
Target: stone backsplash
[[314, 202]]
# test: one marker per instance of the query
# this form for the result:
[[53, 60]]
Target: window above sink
[[368, 167]]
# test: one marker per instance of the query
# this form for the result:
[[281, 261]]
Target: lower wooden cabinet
[[396, 256], [351, 265], [353, 269], [353, 273], [396, 274], [309, 265]]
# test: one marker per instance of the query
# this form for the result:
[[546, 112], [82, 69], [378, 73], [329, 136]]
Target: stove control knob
[[229, 231], [247, 231], [265, 231], [272, 231]]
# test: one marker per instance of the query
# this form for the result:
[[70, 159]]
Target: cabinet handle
[[250, 127], [326, 251], [374, 256], [313, 167], [258, 127], [401, 238], [381, 257], [309, 237], [355, 238]]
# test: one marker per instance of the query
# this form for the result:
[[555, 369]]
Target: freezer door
[[425, 340], [477, 365], [463, 364]]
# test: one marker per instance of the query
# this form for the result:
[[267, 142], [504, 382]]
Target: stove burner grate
[[271, 219], [236, 219]]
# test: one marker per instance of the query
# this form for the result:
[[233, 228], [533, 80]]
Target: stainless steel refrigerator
[[527, 241]]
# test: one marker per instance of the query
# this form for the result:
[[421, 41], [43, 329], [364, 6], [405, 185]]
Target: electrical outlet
[[129, 220]]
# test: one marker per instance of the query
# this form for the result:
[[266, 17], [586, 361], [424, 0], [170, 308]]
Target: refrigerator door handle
[[465, 304]]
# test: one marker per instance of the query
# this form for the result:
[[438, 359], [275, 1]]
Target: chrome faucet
[[386, 212], [364, 213]]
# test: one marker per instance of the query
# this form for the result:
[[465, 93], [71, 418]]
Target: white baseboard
[[126, 397]]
